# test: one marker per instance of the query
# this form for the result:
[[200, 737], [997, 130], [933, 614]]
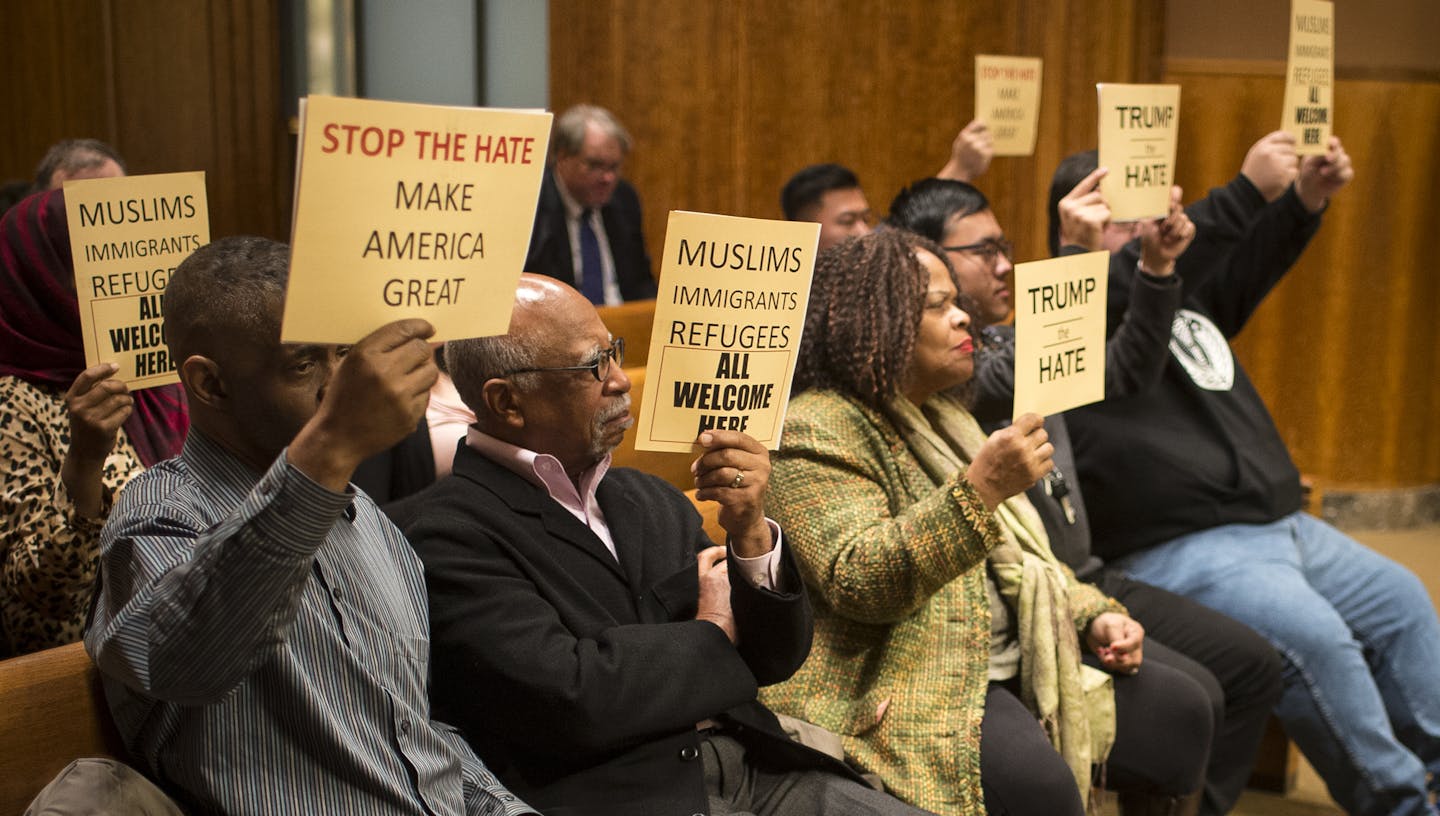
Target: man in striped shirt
[[261, 627]]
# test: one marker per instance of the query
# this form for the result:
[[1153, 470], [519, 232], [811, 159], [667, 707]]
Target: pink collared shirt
[[545, 471]]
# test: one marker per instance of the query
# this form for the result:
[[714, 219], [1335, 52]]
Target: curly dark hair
[[866, 302]]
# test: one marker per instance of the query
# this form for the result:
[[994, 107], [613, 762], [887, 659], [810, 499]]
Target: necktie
[[592, 277]]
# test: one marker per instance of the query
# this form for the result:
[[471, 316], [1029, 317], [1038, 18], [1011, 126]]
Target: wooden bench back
[[634, 322], [672, 467], [52, 711]]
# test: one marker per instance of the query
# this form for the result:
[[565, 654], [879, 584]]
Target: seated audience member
[[830, 194], [261, 627], [71, 159], [1238, 669], [1190, 487], [588, 230], [592, 644], [948, 638], [70, 436]]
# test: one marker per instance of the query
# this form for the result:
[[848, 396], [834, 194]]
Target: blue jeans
[[1360, 641]]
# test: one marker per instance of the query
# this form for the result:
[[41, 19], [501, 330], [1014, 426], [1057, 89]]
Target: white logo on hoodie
[[1202, 350]]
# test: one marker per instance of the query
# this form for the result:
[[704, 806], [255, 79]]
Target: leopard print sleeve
[[50, 550]]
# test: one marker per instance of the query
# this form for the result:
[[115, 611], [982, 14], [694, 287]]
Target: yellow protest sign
[[728, 317], [1309, 75], [408, 210], [1007, 98], [127, 235], [1060, 332], [1138, 128]]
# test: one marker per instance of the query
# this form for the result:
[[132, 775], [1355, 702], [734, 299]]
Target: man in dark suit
[[589, 638], [587, 224]]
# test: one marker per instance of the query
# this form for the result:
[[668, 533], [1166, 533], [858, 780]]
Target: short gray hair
[[225, 292], [569, 134], [72, 156], [475, 361]]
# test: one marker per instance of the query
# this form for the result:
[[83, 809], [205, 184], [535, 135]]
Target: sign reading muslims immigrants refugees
[[408, 210], [127, 235], [1138, 128], [1309, 75], [728, 317], [1060, 332], [1007, 99]]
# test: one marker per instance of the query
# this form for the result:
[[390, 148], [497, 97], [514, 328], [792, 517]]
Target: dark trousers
[[739, 787], [1163, 724], [1020, 773], [1239, 670]]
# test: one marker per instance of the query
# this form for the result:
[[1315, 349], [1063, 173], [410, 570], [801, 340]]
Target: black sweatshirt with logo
[[1196, 449]]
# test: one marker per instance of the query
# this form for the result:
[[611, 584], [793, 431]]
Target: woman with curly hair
[[948, 638]]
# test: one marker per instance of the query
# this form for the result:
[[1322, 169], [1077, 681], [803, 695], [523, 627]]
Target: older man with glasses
[[587, 223], [590, 640]]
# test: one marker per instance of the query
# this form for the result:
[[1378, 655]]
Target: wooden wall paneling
[[1345, 348], [727, 99], [255, 156], [691, 120], [1386, 237], [174, 85], [56, 81], [209, 101], [164, 99], [820, 107]]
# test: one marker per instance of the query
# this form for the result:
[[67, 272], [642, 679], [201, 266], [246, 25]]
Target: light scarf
[[1074, 702]]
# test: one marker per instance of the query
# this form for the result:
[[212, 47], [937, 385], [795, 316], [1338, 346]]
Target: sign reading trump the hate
[[408, 210], [728, 317], [127, 235], [1139, 125], [1060, 333]]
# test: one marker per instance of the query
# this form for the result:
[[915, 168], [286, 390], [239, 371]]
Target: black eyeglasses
[[596, 167], [599, 367], [988, 250]]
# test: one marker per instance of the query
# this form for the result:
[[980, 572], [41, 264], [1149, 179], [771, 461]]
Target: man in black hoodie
[[1190, 487]]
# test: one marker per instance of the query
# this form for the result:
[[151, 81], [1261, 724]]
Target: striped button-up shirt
[[265, 648]]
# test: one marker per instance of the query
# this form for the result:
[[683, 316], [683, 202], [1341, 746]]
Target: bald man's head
[[553, 383]]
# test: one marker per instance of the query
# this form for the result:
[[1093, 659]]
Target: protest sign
[[1060, 332], [409, 210], [728, 317], [1309, 76], [1007, 99], [1138, 128], [127, 235]]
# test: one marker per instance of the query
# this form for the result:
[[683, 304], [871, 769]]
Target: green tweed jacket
[[894, 565]]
